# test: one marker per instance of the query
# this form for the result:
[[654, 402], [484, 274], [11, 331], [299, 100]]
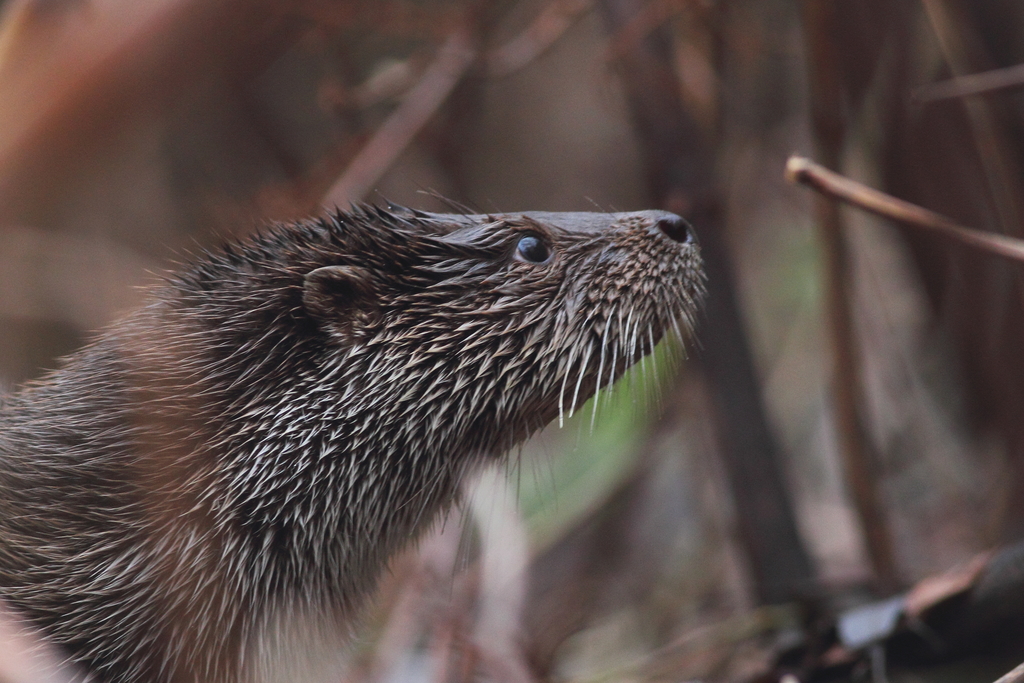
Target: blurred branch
[[960, 613], [417, 107], [701, 653], [541, 34], [388, 82], [1014, 676], [680, 160], [73, 73], [74, 279], [953, 30], [697, 653], [549, 25], [972, 84], [965, 161], [821, 26], [806, 172], [653, 14], [386, 17], [504, 564]]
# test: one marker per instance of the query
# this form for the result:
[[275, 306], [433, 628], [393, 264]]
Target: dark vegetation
[[850, 425]]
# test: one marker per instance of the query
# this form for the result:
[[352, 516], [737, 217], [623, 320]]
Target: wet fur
[[257, 441]]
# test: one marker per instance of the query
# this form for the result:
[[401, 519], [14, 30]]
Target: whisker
[[675, 326], [654, 360], [632, 334], [519, 472], [579, 381], [561, 393], [638, 344], [600, 371], [615, 351], [629, 322], [635, 343]]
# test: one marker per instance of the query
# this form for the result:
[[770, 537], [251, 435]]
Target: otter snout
[[675, 228]]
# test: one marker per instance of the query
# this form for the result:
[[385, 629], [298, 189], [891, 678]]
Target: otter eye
[[532, 250]]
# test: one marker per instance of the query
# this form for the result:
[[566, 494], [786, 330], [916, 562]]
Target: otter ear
[[338, 295]]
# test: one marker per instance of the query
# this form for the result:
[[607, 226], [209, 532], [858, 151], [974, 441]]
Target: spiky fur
[[222, 458]]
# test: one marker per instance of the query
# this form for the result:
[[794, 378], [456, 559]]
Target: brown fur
[[288, 412]]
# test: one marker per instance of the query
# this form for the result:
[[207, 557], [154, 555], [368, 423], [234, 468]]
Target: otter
[[216, 482]]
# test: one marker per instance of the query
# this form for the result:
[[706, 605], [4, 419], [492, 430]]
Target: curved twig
[[805, 172]]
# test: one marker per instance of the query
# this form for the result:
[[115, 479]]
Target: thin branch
[[71, 73], [419, 105], [393, 18], [653, 14], [554, 20], [858, 454], [1015, 676], [972, 84], [806, 172], [431, 90], [680, 169], [953, 29]]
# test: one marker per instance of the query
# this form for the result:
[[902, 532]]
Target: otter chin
[[289, 411]]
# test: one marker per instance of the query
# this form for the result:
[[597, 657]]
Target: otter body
[[228, 470]]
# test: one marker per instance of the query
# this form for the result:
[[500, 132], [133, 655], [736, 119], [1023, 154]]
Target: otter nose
[[675, 228]]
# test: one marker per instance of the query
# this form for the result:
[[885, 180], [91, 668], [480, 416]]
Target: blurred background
[[847, 425]]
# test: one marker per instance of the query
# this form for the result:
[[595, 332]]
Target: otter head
[[498, 323], [346, 371], [420, 342]]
